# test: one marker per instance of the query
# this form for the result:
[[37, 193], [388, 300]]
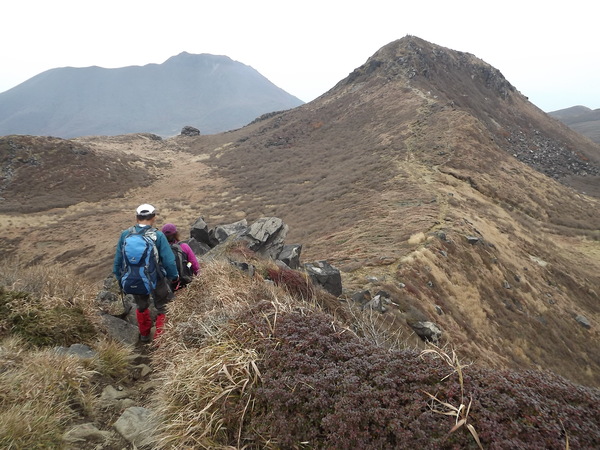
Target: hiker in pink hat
[[187, 263]]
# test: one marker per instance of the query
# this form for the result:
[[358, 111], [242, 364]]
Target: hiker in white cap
[[145, 266]]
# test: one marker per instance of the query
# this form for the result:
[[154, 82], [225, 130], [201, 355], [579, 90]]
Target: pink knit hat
[[169, 228]]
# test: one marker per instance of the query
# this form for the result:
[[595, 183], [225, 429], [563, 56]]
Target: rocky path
[[121, 415]]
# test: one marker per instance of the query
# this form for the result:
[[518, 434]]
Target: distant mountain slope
[[212, 93], [582, 119]]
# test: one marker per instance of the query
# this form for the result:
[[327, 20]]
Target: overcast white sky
[[549, 50]]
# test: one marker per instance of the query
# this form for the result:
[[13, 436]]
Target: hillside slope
[[394, 171], [210, 92], [425, 174], [582, 119], [41, 173]]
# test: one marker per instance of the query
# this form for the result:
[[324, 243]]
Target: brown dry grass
[[44, 392]]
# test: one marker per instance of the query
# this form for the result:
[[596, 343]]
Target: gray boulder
[[134, 425], [427, 331], [219, 234], [290, 255], [199, 248], [266, 236], [190, 131], [473, 240], [119, 329], [325, 275], [199, 231], [583, 321]]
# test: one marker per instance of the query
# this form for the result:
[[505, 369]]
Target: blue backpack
[[140, 262]]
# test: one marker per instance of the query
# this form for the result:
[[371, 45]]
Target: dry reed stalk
[[460, 413]]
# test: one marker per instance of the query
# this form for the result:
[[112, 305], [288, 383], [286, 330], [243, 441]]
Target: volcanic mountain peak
[[438, 93], [211, 92], [415, 60]]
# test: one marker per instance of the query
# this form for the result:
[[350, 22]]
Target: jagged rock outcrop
[[221, 233], [199, 248], [266, 237], [199, 231]]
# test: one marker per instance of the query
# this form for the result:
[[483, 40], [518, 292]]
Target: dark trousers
[[162, 295]]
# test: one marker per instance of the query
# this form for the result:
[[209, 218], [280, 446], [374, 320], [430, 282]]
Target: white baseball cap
[[145, 209]]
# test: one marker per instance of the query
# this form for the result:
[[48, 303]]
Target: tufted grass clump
[[43, 322], [41, 281], [44, 306], [41, 392], [205, 396], [113, 359], [210, 301], [382, 331]]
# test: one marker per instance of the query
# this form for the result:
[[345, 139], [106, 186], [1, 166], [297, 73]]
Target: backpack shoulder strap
[[151, 233]]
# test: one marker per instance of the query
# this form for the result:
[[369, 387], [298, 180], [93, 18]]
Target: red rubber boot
[[144, 321], [160, 324]]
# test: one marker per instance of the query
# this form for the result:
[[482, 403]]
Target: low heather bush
[[323, 387]]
